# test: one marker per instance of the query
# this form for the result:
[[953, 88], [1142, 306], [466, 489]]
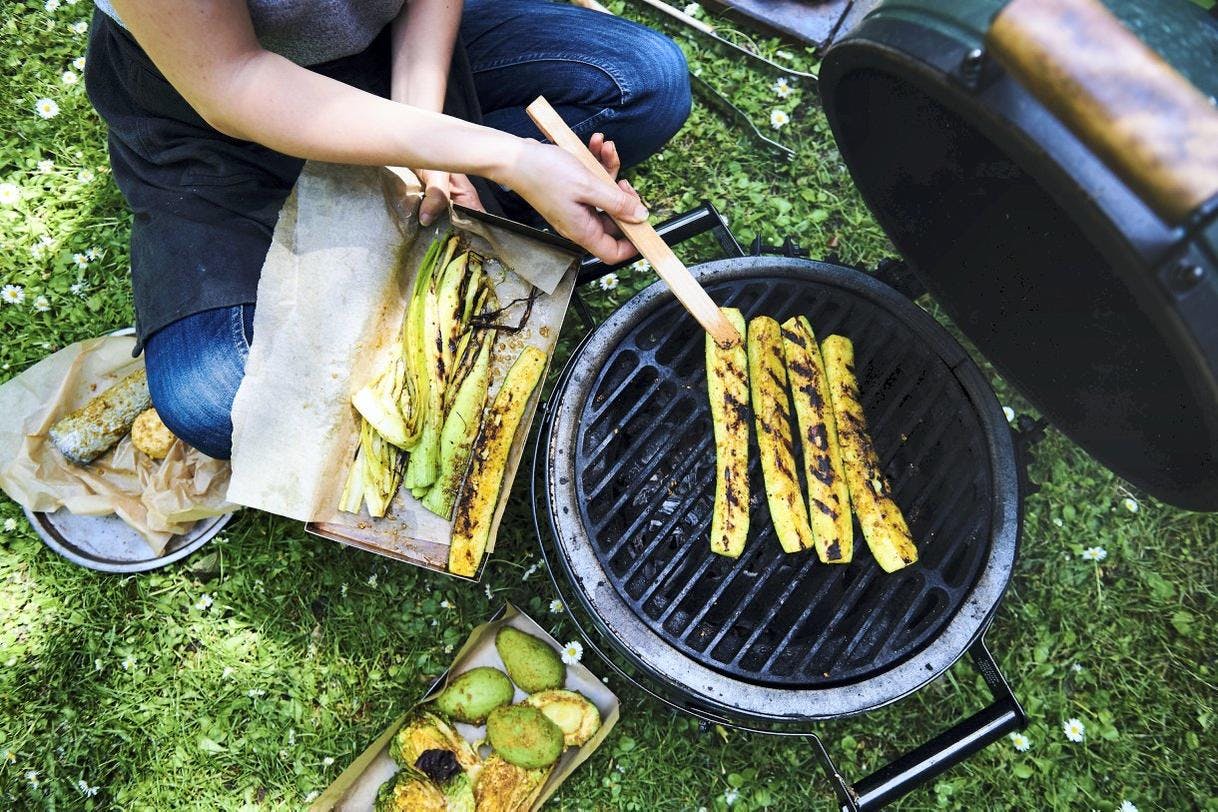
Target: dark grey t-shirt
[[310, 32]]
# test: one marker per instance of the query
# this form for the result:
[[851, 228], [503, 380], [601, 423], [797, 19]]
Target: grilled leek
[[475, 509], [880, 517], [828, 499], [727, 383], [460, 428], [772, 413]]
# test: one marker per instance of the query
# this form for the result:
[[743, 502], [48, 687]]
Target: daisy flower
[[779, 119], [227, 672], [47, 108], [1073, 729], [85, 789], [69, 77], [1008, 413], [97, 665], [489, 594], [1020, 742], [641, 266], [608, 281], [1076, 667], [32, 777], [372, 580], [446, 604], [77, 288], [79, 27], [1127, 806], [448, 649], [12, 294], [52, 6], [128, 663], [1131, 504], [731, 796], [572, 652], [1058, 522], [693, 10], [527, 574], [327, 761], [81, 261], [204, 602], [92, 254], [10, 194], [10, 525], [42, 304], [78, 63], [781, 88], [8, 756], [85, 176], [254, 693], [1096, 554], [555, 606], [312, 796], [46, 166], [342, 590]]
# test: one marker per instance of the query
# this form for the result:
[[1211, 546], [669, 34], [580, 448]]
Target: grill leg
[[913, 769]]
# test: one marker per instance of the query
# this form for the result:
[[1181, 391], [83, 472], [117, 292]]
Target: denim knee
[[194, 368], [661, 79]]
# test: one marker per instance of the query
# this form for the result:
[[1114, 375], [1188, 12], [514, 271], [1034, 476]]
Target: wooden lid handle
[[1148, 123], [650, 244]]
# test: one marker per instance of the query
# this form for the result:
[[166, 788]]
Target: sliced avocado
[[523, 736], [574, 713], [530, 662], [474, 694]]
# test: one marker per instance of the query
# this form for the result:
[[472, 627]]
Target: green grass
[[309, 649]]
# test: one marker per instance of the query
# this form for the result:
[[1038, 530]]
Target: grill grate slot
[[644, 489]]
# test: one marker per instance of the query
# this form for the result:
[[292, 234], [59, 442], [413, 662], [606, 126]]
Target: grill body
[[629, 483]]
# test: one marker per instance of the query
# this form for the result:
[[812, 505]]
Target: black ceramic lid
[[1103, 316]]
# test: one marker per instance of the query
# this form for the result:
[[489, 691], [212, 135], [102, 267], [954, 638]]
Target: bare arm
[[208, 51], [423, 38]]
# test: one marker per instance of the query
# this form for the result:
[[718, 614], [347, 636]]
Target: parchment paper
[[330, 302], [355, 789], [157, 499]]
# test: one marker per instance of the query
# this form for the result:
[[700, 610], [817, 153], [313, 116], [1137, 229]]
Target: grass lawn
[[250, 675]]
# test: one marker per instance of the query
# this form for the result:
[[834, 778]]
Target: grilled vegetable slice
[[92, 430], [883, 524], [772, 413], [382, 462], [504, 787], [475, 510], [727, 383], [460, 429], [828, 499]]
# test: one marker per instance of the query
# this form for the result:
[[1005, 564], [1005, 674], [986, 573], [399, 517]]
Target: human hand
[[439, 188]]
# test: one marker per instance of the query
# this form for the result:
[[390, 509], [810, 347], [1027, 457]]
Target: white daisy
[[446, 604], [1020, 742], [572, 652], [1094, 554], [1073, 729], [1076, 667], [528, 573], [10, 194], [204, 602], [1008, 413], [1058, 522], [312, 796], [10, 525], [42, 304], [81, 261], [641, 266], [448, 649], [85, 176], [47, 108], [254, 693], [85, 789], [434, 622], [97, 665], [128, 663], [1127, 806], [693, 10], [608, 281], [52, 6], [227, 672], [79, 63], [342, 590], [779, 119], [555, 606], [79, 27], [46, 166], [77, 288], [372, 580], [32, 777], [8, 756], [731, 796], [12, 294], [781, 88], [327, 761], [1131, 504], [489, 594], [92, 254], [69, 77]]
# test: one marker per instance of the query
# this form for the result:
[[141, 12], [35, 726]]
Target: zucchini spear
[[475, 509], [883, 524], [772, 413], [828, 499], [727, 383], [460, 428]]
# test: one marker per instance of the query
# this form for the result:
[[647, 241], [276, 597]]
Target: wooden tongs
[[653, 248]]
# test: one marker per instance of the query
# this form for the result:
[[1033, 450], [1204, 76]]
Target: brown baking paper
[[157, 499], [331, 300], [355, 789]]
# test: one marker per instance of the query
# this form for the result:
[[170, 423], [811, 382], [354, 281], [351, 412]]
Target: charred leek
[[460, 429]]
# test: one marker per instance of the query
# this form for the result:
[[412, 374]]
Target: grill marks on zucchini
[[727, 384], [884, 526], [828, 499], [772, 413]]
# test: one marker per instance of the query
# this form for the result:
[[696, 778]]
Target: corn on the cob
[[90, 431]]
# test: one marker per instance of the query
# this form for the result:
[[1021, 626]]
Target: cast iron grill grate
[[644, 454]]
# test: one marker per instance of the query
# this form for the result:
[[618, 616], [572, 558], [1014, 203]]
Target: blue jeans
[[602, 74]]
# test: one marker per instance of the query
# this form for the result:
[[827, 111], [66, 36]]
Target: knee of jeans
[[193, 394], [662, 78]]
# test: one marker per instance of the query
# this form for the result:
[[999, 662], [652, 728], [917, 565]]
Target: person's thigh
[[195, 365], [602, 73]]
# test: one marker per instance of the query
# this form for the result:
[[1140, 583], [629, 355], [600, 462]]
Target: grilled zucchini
[[727, 383], [828, 499], [883, 524], [772, 413], [475, 510]]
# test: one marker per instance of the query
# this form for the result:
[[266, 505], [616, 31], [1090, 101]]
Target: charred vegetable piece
[[379, 403], [530, 661], [416, 388], [460, 429], [883, 524], [425, 731], [524, 736], [727, 384], [92, 430], [410, 792], [442, 768], [574, 713], [504, 787], [151, 436], [828, 499], [474, 694], [475, 509], [772, 413]]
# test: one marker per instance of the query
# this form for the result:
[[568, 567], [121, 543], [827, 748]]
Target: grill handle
[[913, 769]]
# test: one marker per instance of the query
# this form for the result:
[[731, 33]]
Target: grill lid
[[630, 485], [1077, 292]]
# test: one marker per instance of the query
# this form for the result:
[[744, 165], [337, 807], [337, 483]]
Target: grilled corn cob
[[90, 431], [727, 384]]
